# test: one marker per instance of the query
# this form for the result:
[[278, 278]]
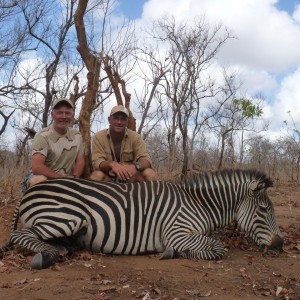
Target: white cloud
[[265, 52], [296, 14], [267, 38], [258, 82], [284, 106], [288, 98]]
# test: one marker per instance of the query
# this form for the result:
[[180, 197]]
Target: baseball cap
[[62, 100], [119, 108]]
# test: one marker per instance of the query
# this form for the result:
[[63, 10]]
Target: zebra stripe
[[146, 217]]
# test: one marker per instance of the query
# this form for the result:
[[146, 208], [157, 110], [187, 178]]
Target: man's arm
[[98, 151], [39, 168], [144, 163], [79, 166], [106, 166], [141, 153]]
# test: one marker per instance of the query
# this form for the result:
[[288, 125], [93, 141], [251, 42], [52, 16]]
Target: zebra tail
[[15, 218], [14, 224]]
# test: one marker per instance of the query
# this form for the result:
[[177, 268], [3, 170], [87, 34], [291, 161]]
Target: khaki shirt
[[60, 151], [132, 148]]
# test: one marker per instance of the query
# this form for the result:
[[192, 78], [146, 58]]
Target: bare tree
[[117, 48], [153, 66], [13, 43], [53, 38], [263, 154], [290, 148], [105, 57], [191, 49], [236, 115], [5, 122], [93, 66]]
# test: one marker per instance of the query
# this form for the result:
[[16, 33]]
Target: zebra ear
[[257, 186]]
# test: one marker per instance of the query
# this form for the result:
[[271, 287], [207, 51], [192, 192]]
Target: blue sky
[[131, 8], [134, 8], [266, 53], [287, 5]]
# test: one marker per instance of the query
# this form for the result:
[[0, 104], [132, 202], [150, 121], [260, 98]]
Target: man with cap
[[57, 150], [118, 153]]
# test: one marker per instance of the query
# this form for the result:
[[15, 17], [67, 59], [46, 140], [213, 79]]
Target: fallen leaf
[[206, 294], [266, 293], [21, 282], [276, 274], [6, 285], [198, 293], [55, 268], [106, 281], [146, 297], [87, 265], [297, 247], [123, 279], [3, 269], [106, 289], [278, 291], [250, 259], [156, 291], [86, 256]]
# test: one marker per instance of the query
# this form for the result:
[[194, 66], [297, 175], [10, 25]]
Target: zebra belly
[[124, 245]]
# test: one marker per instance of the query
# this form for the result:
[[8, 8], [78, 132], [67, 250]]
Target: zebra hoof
[[41, 261], [7, 247], [169, 253]]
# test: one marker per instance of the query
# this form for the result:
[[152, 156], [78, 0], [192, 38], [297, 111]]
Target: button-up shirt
[[133, 148]]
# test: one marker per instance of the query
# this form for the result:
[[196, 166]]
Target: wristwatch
[[138, 166]]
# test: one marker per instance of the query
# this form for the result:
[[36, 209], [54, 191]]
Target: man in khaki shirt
[[57, 150], [120, 154]]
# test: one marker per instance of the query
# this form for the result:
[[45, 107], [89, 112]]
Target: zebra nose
[[277, 243]]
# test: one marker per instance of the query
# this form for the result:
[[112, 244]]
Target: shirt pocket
[[109, 155], [127, 156]]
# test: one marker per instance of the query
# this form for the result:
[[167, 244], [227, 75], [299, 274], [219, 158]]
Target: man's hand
[[123, 171]]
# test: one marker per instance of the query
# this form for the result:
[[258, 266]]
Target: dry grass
[[10, 184]]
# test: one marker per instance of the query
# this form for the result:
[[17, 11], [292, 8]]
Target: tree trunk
[[185, 148], [93, 66], [115, 79]]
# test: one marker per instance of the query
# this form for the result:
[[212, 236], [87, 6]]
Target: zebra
[[175, 219]]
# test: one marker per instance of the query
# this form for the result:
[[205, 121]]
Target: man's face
[[118, 122], [62, 117]]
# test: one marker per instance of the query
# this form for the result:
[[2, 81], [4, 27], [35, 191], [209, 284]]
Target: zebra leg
[[46, 255], [34, 238], [5, 248], [194, 246]]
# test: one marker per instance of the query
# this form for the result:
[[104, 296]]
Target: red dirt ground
[[244, 273]]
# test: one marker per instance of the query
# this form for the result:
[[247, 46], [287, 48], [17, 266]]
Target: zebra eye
[[263, 207], [257, 186]]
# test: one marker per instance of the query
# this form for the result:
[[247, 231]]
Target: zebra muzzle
[[277, 243]]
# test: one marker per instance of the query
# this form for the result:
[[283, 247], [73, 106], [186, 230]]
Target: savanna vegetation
[[193, 115]]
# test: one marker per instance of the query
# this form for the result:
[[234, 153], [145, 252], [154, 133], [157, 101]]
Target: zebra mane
[[245, 175]]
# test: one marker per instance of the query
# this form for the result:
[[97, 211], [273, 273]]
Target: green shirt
[[133, 148], [60, 151]]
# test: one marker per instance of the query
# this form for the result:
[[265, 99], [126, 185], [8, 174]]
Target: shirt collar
[[67, 134], [108, 132]]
